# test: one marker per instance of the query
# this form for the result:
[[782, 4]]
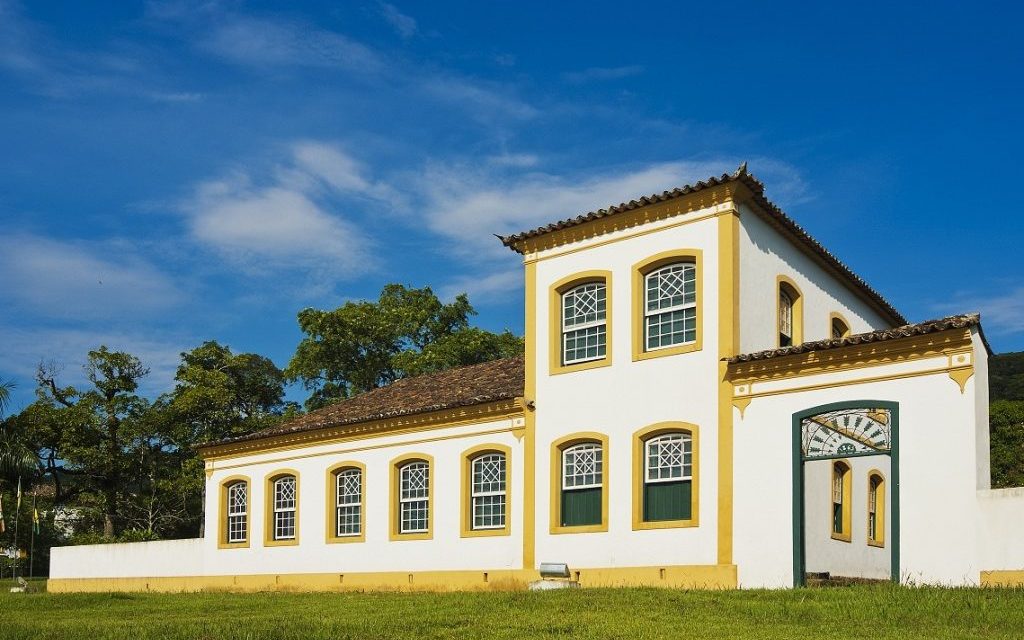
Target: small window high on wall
[[584, 325], [839, 327], [841, 501], [790, 313]]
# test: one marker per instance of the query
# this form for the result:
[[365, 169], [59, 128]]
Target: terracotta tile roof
[[906, 331], [772, 214], [460, 387]]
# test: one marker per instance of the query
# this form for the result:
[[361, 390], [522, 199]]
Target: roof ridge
[[772, 212], [879, 335]]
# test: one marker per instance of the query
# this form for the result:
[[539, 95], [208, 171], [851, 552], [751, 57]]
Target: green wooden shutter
[[668, 501], [581, 507]]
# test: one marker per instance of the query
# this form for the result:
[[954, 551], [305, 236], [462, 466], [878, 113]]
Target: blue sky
[[172, 172]]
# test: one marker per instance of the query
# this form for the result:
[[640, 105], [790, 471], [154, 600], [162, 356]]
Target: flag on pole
[[17, 507], [3, 527], [35, 519]]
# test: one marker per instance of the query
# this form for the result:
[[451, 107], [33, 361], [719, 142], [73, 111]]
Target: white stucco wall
[[766, 254], [855, 558], [622, 398], [164, 558], [1001, 529]]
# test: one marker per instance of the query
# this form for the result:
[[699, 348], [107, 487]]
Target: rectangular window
[[582, 485], [284, 508], [670, 306], [237, 512], [488, 491], [584, 324], [414, 498], [668, 477], [349, 507]]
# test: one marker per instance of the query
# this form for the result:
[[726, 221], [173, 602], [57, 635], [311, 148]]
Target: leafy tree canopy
[[364, 345], [1006, 376], [1006, 434]]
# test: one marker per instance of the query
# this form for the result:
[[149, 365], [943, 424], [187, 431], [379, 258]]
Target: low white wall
[[1001, 529], [162, 558]]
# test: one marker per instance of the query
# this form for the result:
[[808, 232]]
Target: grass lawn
[[851, 612]]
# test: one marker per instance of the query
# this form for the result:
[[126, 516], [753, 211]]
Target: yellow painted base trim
[[1002, 578], [676, 577]]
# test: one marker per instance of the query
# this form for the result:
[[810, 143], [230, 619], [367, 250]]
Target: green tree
[[364, 345], [1006, 376], [97, 434], [219, 394], [1006, 438]]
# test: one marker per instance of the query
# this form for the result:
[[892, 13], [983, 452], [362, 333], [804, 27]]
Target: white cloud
[[290, 220], [518, 160], [403, 25], [494, 286], [24, 348], [263, 42], [1002, 313], [602, 73], [57, 279], [469, 205], [486, 103]]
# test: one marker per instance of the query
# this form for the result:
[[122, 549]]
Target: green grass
[[851, 612]]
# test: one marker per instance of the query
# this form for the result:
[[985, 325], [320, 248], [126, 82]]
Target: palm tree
[[5, 395]]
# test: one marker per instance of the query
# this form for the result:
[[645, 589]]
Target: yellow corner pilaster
[[728, 345]]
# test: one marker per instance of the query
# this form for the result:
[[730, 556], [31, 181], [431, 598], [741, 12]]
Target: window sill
[[877, 544], [667, 351], [426, 535], [583, 528], [640, 525], [485, 533], [558, 369], [281, 543], [842, 537], [345, 539], [233, 545]]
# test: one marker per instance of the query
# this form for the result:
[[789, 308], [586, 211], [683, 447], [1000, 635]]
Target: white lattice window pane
[[349, 509], [414, 497], [670, 306], [584, 344], [671, 328], [284, 525], [582, 466], [585, 304], [669, 458], [488, 491], [837, 487], [489, 511], [414, 516], [284, 493], [237, 512], [671, 287]]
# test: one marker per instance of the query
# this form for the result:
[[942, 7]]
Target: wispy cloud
[[600, 74], [291, 219], [263, 42], [1001, 313], [403, 25], [26, 347], [490, 287], [470, 204], [72, 280]]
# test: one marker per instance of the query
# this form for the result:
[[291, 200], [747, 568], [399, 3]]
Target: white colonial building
[[708, 398]]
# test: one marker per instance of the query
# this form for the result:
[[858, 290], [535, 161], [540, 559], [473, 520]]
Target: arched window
[[582, 485], [237, 512], [839, 327], [285, 503], [790, 313], [668, 477], [414, 497], [670, 306], [584, 323], [876, 509], [348, 504], [841, 499], [487, 494]]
